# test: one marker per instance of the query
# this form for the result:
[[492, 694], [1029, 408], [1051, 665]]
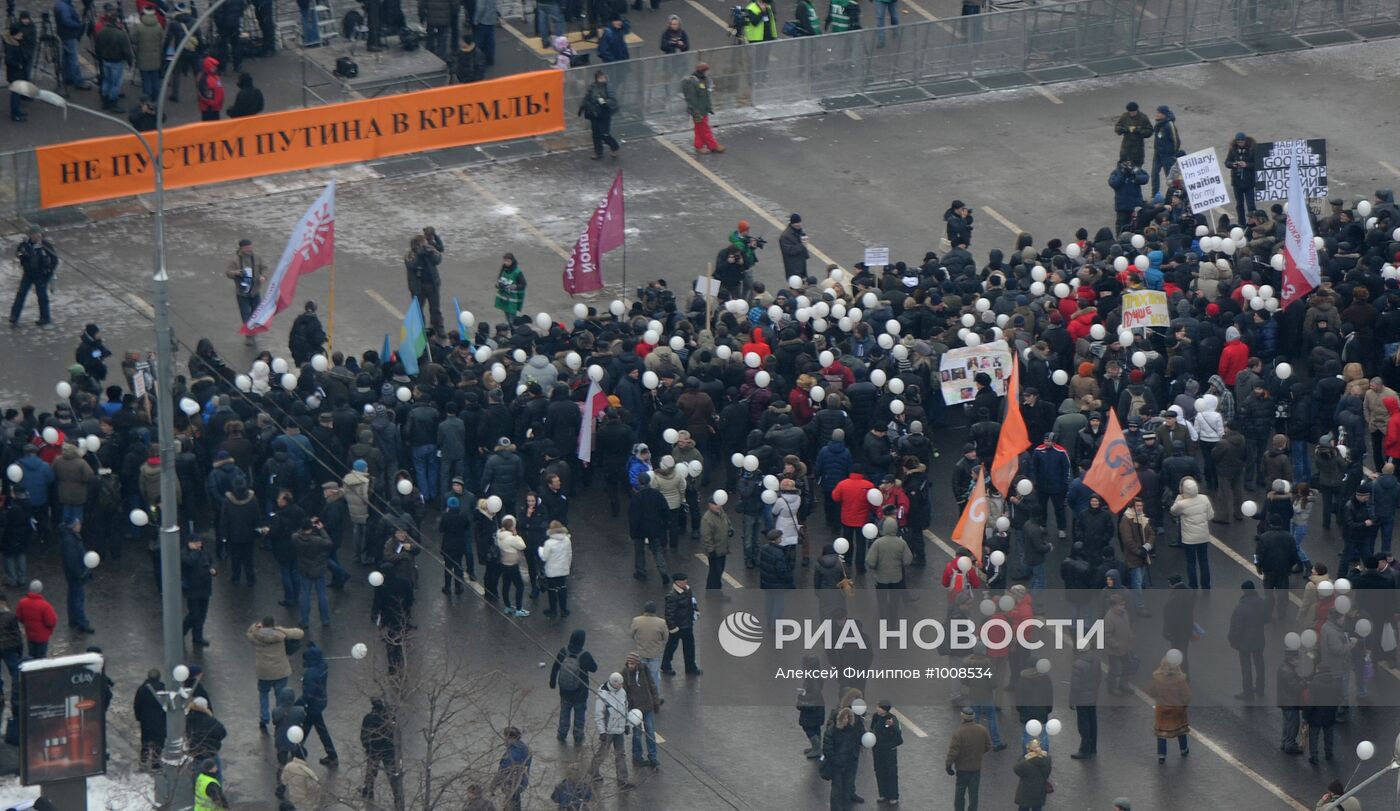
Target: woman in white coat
[[510, 546], [785, 519], [557, 552], [1193, 511]]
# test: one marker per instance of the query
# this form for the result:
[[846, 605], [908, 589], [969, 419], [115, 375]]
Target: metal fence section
[[921, 60]]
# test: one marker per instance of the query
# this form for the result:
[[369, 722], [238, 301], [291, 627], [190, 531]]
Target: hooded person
[[287, 714], [249, 100], [210, 90], [572, 664], [1193, 510], [315, 695]]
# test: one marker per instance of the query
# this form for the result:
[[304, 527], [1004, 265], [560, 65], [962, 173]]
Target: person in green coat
[[808, 23], [510, 287], [148, 40], [842, 15], [715, 532]]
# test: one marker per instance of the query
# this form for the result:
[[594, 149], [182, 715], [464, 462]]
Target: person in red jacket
[[1234, 357], [956, 581], [757, 344], [1390, 444], [894, 503], [850, 493], [210, 89], [38, 618]]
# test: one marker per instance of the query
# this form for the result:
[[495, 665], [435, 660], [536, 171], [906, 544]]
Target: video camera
[[655, 296], [758, 243]]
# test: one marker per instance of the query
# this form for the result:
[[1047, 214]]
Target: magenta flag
[[584, 270]]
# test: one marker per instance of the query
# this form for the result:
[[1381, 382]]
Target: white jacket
[[785, 512], [610, 710], [557, 554], [511, 545], [1210, 426], [1194, 512]]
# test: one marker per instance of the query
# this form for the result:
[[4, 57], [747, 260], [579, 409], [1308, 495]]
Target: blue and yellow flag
[[412, 340]]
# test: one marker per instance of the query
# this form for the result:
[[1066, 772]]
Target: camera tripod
[[48, 59]]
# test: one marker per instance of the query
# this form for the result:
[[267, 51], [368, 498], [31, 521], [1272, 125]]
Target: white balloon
[[1141, 263], [519, 356], [260, 368], [818, 394], [821, 309], [138, 516], [482, 354], [1266, 291], [1364, 750], [1228, 247], [969, 320], [855, 314], [670, 435], [1277, 261], [1202, 230], [651, 337], [573, 361], [1038, 274], [296, 734], [92, 560], [998, 558], [542, 320], [769, 496], [319, 363], [650, 379], [1003, 523], [50, 435], [1308, 638], [677, 343], [736, 459], [802, 314], [1002, 321], [892, 327], [1320, 244], [1283, 371], [1097, 332], [1324, 589], [867, 740], [964, 332], [762, 379], [1270, 304], [359, 650], [750, 463], [404, 487], [1033, 728], [1140, 359], [466, 319], [721, 498], [1342, 585], [64, 389], [841, 546], [826, 358], [877, 376], [795, 282], [94, 443], [1061, 290], [289, 381], [1125, 338], [1174, 657], [617, 308], [964, 564], [1072, 250], [1292, 640], [752, 360], [896, 407], [1053, 726], [1025, 487], [837, 275], [1342, 604], [376, 579], [403, 394], [180, 672], [595, 373], [845, 323], [987, 607], [580, 310], [869, 531], [983, 305], [775, 313], [279, 366], [1138, 241], [696, 468], [973, 339], [819, 325], [190, 407], [244, 383], [494, 504], [896, 385], [498, 372], [1363, 627], [1249, 508], [1005, 603], [1060, 377], [1120, 263], [874, 496], [1037, 288], [869, 300]]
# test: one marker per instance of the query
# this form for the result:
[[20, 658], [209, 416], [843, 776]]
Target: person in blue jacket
[[314, 696], [1127, 182], [1166, 142], [612, 45], [69, 25], [1153, 277]]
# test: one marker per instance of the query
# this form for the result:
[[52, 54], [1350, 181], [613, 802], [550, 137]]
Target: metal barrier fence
[[921, 60]]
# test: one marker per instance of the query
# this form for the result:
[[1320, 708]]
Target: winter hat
[[201, 702], [222, 455], [1212, 309], [1164, 109], [1232, 333], [1086, 369], [360, 466], [634, 658], [967, 713], [36, 587], [615, 679], [1122, 804], [793, 218], [1132, 107], [1247, 585], [1239, 136], [1018, 591], [839, 435], [90, 330], [453, 503], [1136, 376]]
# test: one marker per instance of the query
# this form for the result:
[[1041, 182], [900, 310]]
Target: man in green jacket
[[113, 51], [714, 538], [148, 40], [886, 560], [842, 15], [696, 89]]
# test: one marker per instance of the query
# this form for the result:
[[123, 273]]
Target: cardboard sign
[[1271, 162], [1145, 308], [1205, 185], [958, 368], [877, 257]]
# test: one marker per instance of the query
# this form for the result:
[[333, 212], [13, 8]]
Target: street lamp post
[[174, 792]]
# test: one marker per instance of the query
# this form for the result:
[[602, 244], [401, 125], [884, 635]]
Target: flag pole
[[330, 320], [709, 300]]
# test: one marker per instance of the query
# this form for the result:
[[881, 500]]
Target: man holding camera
[[249, 274], [422, 262], [748, 246], [38, 261]]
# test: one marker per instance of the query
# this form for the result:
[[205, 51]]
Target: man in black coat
[[1276, 555], [1246, 636], [680, 621], [197, 576], [150, 716], [647, 516]]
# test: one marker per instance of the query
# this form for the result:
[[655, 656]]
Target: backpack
[[570, 675], [1136, 401]]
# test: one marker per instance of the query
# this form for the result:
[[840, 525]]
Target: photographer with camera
[[38, 262], [748, 246], [421, 264]]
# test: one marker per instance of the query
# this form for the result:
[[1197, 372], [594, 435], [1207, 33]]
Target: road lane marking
[[920, 10], [728, 578], [1054, 99], [853, 115], [141, 304], [525, 223], [710, 15], [383, 302], [1390, 167], [1236, 68], [994, 214], [909, 725], [738, 195]]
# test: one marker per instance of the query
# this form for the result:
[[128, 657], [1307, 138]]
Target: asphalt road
[[1038, 162]]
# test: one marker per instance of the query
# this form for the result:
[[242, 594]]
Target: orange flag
[[972, 526], [1013, 440], [1112, 475]]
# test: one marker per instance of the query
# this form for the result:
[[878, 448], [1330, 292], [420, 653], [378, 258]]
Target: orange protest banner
[[1013, 440], [971, 528], [1112, 474], [213, 152]]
